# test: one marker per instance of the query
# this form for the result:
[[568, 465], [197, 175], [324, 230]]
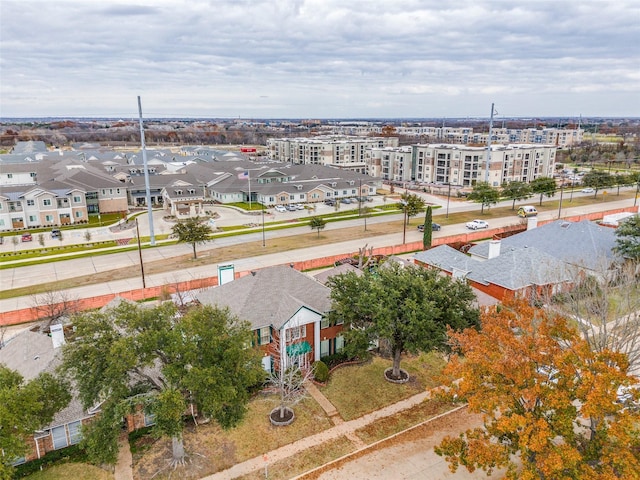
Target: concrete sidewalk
[[341, 429]]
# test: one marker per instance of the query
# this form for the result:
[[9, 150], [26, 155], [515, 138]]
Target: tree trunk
[[195, 257], [177, 445], [396, 362], [282, 410]]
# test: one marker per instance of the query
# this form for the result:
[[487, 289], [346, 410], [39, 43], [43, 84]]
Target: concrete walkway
[[123, 469], [340, 429]]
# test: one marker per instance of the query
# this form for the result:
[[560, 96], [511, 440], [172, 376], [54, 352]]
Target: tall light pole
[[448, 197], [152, 237], [486, 173], [263, 241], [561, 190]]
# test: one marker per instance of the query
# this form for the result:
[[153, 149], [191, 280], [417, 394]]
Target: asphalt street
[[36, 274]]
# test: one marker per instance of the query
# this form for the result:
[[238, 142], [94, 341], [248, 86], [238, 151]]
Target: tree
[[192, 231], [598, 179], [288, 378], [628, 238], [410, 204], [317, 223], [544, 186], [410, 307], [427, 231], [130, 356], [516, 191], [53, 305], [548, 400], [484, 194], [26, 407]]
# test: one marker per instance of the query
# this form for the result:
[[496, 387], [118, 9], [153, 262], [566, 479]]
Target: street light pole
[[263, 242], [561, 191], [448, 197]]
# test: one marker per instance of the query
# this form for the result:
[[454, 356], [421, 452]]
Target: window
[[32, 218], [265, 335], [75, 432], [324, 348], [111, 191], [76, 199], [49, 218], [46, 202], [59, 437], [292, 197], [296, 333], [31, 203], [149, 419], [339, 343], [78, 214], [1, 222], [9, 175]]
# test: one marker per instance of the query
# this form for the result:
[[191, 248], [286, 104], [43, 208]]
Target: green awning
[[296, 349]]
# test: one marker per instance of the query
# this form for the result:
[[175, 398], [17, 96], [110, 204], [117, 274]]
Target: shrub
[[69, 454], [321, 371], [335, 359]]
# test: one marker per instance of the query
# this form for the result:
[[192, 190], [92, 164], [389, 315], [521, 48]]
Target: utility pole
[[486, 173], [144, 285], [152, 237]]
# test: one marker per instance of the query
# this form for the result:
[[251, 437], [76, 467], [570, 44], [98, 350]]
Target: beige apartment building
[[461, 164], [339, 151]]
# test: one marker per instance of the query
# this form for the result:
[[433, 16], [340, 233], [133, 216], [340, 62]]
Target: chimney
[[532, 222], [494, 249], [57, 335]]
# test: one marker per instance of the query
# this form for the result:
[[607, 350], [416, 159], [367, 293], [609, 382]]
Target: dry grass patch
[[360, 389], [385, 427], [71, 471], [305, 461], [212, 449]]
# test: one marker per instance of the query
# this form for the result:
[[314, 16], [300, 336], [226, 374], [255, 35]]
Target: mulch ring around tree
[[389, 377], [282, 419]]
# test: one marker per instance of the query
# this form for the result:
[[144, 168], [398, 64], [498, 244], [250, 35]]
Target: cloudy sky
[[319, 58]]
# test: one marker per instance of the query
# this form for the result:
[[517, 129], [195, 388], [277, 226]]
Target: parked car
[[587, 190], [280, 208], [345, 200], [330, 202], [55, 233], [26, 237], [291, 208], [299, 206], [527, 211], [435, 227], [477, 224]]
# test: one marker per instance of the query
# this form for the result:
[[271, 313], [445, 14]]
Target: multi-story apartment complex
[[346, 153], [560, 137], [546, 136], [462, 165]]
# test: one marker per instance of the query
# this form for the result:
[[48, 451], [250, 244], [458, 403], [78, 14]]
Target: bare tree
[[52, 305], [288, 376], [606, 308]]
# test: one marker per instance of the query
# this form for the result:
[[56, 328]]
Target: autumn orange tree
[[549, 402]]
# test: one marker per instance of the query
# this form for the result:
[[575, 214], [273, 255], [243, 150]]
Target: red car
[[26, 237]]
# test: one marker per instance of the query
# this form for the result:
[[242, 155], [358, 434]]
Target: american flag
[[244, 175]]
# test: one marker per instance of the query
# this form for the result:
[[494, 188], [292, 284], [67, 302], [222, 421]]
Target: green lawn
[[72, 471], [356, 390]]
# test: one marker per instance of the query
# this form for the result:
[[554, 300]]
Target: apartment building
[[339, 151], [559, 137], [462, 165]]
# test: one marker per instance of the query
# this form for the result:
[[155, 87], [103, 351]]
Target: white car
[[587, 190], [477, 224], [280, 208]]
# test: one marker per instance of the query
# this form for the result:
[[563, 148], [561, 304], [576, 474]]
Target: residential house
[[31, 353], [537, 262], [286, 310]]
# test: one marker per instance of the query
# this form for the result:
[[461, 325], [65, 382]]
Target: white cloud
[[319, 58]]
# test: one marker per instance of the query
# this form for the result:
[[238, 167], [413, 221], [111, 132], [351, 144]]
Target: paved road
[[33, 275]]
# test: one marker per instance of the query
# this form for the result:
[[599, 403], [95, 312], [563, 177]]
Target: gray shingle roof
[[583, 244], [270, 297]]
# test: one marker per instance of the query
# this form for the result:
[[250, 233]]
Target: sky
[[319, 59]]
